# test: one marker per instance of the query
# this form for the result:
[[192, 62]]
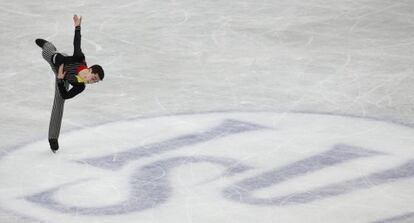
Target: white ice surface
[[350, 59]]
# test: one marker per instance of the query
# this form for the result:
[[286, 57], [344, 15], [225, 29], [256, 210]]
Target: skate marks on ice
[[149, 187], [226, 128], [404, 218], [254, 164]]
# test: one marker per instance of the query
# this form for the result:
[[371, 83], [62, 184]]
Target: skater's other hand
[[61, 73], [77, 20]]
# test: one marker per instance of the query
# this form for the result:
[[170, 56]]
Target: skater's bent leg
[[48, 50]]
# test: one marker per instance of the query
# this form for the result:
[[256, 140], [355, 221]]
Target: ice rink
[[212, 112]]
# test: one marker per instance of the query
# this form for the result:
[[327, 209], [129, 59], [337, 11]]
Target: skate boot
[[54, 145], [40, 42]]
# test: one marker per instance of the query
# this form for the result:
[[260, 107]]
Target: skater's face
[[90, 77]]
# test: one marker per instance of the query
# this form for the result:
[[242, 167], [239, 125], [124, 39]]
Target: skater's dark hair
[[97, 69]]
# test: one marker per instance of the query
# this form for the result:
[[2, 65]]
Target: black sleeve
[[75, 90], [58, 59], [77, 51]]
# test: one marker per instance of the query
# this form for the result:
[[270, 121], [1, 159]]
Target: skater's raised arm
[[77, 51]]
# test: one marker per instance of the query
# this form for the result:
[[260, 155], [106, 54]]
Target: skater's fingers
[[61, 68], [77, 20]]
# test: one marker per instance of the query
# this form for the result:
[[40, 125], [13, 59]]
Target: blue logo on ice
[[245, 159]]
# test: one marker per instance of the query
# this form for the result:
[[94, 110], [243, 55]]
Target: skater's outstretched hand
[[77, 20], [61, 73]]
